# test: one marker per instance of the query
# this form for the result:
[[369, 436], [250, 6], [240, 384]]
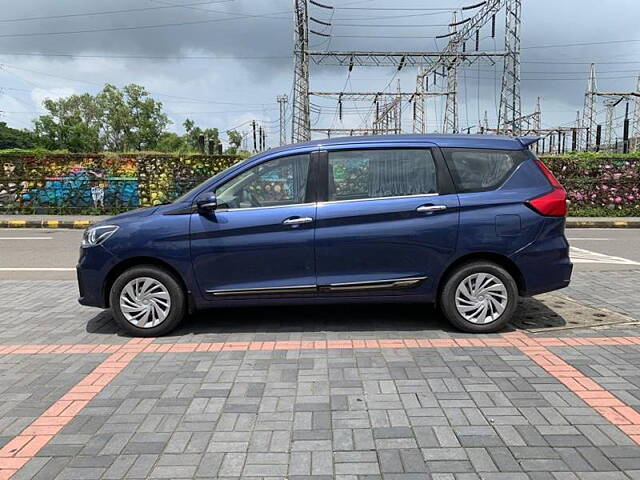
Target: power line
[[106, 12], [136, 27]]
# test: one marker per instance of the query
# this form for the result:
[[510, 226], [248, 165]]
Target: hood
[[137, 213]]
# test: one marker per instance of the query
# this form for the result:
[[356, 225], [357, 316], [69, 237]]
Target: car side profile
[[468, 222]]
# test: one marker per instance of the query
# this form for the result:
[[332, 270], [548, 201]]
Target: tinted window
[[282, 181], [356, 174], [481, 169]]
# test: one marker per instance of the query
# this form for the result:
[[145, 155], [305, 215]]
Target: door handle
[[430, 208], [297, 220]]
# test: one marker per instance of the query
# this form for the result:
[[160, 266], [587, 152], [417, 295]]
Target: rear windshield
[[477, 170]]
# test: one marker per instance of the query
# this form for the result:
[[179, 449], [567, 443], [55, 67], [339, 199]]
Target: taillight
[[554, 203]]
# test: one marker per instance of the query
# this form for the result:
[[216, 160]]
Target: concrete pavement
[[348, 393]]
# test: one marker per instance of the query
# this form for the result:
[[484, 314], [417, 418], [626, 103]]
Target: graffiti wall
[[103, 183]]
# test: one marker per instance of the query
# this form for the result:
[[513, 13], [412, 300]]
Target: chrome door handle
[[430, 208], [297, 221]]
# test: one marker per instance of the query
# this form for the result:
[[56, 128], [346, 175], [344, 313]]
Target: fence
[[107, 183], [99, 183]]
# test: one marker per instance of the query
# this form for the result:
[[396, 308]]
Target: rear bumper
[[545, 266]]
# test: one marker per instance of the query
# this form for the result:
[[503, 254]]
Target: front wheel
[[147, 301], [479, 297]]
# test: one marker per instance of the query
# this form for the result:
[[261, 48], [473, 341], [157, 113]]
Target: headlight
[[98, 234]]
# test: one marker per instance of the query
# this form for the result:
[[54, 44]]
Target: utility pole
[[253, 127], [282, 101], [510, 105]]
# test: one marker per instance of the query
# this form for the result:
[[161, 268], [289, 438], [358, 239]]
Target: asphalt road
[[49, 254]]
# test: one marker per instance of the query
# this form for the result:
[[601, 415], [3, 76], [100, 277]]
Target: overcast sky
[[223, 63]]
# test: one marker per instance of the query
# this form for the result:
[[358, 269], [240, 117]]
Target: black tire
[[177, 308], [447, 301]]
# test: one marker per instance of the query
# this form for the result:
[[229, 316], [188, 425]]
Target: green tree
[[194, 132], [72, 123], [131, 119], [114, 119], [14, 138], [171, 142], [235, 140]]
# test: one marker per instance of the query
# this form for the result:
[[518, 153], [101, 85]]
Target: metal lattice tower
[[419, 116], [428, 62], [608, 125], [635, 129], [300, 130], [450, 120], [510, 105], [282, 101], [589, 110]]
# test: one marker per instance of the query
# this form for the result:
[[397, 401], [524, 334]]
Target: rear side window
[[476, 170], [361, 174]]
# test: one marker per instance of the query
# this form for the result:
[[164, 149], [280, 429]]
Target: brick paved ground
[[334, 392]]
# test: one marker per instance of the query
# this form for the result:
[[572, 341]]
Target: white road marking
[[591, 239], [580, 255], [26, 238], [38, 269]]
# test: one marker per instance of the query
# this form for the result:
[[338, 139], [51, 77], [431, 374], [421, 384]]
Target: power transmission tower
[[510, 106], [282, 100], [589, 110], [608, 125], [429, 61], [635, 131], [450, 122], [300, 115]]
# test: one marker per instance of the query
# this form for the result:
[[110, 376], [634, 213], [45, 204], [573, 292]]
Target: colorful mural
[[66, 183]]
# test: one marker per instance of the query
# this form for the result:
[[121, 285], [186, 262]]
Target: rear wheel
[[147, 301], [479, 297]]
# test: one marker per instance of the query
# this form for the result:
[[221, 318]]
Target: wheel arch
[[502, 260], [124, 265]]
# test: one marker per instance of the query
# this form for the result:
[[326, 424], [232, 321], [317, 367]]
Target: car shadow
[[268, 323]]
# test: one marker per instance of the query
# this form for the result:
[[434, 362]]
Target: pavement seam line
[[23, 447]]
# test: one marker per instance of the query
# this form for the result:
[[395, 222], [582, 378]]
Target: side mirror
[[206, 203]]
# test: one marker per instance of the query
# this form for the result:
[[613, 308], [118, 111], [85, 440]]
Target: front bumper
[[92, 270]]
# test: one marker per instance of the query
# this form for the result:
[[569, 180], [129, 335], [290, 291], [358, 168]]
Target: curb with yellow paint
[[575, 222]]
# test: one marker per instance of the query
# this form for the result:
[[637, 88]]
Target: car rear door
[[388, 219]]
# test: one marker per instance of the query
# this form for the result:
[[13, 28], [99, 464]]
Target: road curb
[[79, 224], [586, 223]]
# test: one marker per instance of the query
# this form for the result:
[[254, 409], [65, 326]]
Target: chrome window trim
[[421, 195], [309, 204]]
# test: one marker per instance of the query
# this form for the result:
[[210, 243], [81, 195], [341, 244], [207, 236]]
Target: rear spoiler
[[527, 141]]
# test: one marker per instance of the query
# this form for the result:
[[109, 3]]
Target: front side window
[[476, 170], [361, 174], [278, 182]]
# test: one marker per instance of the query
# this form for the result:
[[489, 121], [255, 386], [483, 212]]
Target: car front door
[[388, 222], [259, 240]]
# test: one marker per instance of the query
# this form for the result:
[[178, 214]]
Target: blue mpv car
[[468, 222]]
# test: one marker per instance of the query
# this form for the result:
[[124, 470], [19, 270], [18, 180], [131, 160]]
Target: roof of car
[[442, 140]]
